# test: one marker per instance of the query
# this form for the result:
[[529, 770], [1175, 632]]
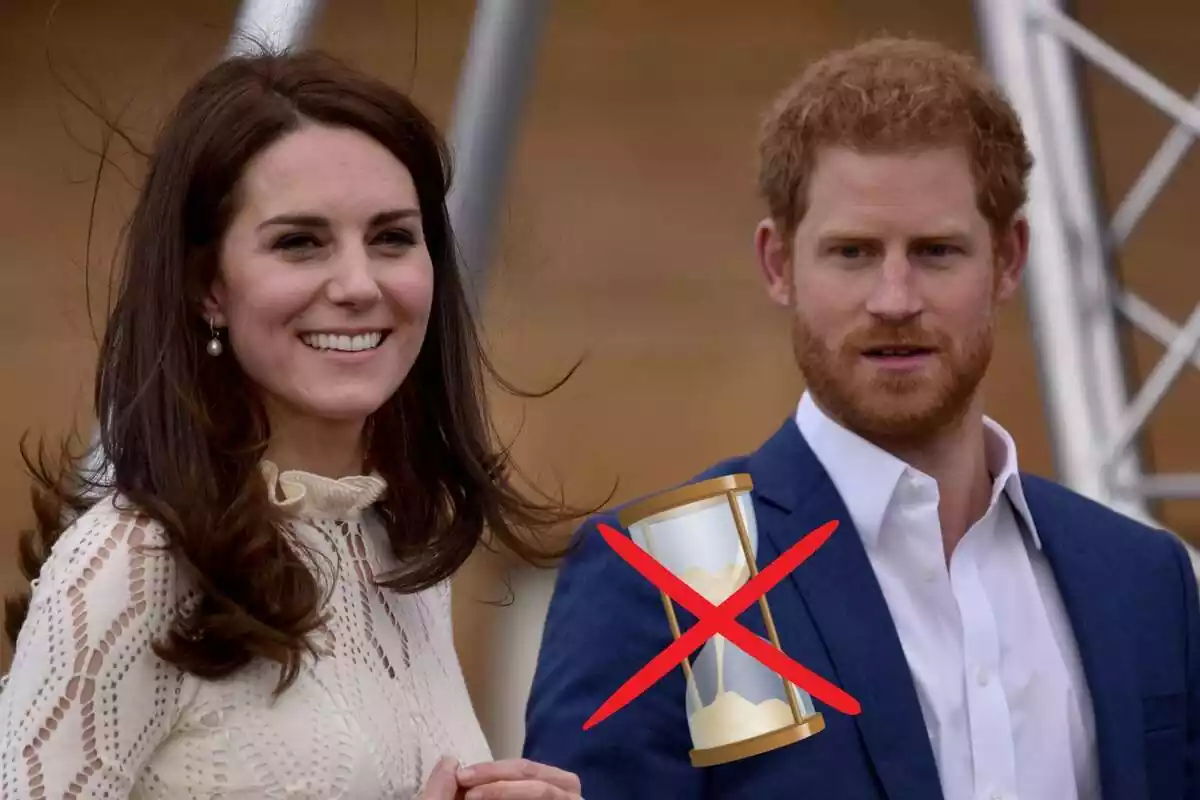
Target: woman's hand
[[517, 779], [443, 782]]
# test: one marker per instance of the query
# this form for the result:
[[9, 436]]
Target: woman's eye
[[396, 238], [296, 241]]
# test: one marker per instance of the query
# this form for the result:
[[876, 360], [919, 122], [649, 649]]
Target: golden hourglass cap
[[682, 496]]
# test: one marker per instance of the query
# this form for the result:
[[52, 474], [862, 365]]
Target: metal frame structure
[[496, 79], [1075, 300], [276, 24]]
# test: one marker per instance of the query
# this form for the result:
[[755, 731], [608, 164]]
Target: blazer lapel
[[838, 588], [1081, 575]]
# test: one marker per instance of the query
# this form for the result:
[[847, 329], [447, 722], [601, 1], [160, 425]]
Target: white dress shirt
[[988, 641]]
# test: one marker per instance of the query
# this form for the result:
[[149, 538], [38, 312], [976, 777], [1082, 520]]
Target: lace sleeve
[[87, 700]]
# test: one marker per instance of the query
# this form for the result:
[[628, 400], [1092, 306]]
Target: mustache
[[910, 336]]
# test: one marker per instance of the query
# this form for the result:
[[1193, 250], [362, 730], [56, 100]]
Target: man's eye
[[939, 250]]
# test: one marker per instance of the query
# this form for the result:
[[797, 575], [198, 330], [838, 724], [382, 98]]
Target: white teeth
[[342, 343]]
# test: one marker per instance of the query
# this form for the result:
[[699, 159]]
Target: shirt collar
[[866, 476]]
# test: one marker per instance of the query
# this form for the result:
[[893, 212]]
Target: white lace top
[[90, 711]]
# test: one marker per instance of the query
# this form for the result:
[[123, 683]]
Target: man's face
[[894, 279]]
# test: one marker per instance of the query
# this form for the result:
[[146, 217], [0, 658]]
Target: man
[[1005, 637]]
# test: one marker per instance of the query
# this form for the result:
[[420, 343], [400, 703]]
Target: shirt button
[[982, 677]]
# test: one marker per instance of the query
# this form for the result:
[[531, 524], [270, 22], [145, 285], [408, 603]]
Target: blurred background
[[622, 235]]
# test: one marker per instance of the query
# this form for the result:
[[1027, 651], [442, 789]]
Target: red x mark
[[720, 619]]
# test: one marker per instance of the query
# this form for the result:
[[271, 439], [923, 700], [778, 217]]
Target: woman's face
[[325, 282]]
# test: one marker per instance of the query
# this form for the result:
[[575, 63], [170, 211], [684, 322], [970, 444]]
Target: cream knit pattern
[[90, 711]]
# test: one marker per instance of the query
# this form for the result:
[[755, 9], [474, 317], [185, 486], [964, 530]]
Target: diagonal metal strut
[[1096, 419]]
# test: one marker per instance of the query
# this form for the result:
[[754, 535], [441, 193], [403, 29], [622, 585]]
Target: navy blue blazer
[[1129, 592]]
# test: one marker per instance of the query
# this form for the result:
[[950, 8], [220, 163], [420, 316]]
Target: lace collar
[[304, 494]]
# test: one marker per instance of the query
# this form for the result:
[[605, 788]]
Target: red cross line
[[720, 619]]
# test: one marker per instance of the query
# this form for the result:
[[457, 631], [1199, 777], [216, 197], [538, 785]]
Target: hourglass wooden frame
[[676, 501]]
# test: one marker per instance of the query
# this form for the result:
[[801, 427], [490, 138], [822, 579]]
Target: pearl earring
[[215, 348]]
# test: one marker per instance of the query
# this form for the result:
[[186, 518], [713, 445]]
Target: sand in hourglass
[[730, 717]]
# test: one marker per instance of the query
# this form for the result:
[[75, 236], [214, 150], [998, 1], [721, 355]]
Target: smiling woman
[[297, 458], [325, 288]]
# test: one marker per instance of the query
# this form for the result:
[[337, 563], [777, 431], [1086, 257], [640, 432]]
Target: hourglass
[[705, 533]]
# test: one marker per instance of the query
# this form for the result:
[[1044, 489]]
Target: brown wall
[[626, 235]]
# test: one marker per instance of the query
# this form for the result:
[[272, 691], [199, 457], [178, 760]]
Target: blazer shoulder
[[1106, 528]]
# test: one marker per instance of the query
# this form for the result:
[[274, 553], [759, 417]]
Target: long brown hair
[[182, 434]]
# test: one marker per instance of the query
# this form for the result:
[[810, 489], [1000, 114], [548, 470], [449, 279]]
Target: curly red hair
[[890, 94]]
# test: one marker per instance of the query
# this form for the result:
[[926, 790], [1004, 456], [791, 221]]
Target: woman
[[296, 460]]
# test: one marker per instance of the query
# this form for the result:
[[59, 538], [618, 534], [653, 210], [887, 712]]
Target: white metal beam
[[278, 24], [1075, 301], [495, 81]]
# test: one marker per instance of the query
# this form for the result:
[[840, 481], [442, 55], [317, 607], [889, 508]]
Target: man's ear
[[774, 253], [1012, 252]]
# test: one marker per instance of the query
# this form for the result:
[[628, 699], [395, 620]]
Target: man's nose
[[895, 297]]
